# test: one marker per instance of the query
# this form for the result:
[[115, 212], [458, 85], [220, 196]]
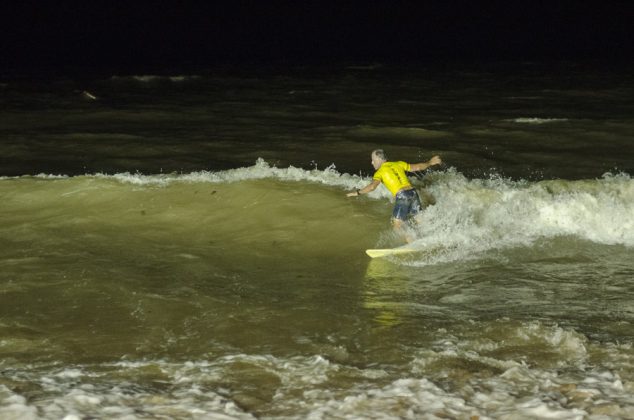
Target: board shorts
[[407, 204]]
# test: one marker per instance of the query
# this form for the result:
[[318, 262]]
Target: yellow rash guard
[[392, 175]]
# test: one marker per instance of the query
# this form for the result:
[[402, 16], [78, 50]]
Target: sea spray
[[474, 216]]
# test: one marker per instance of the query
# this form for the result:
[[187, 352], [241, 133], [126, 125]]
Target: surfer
[[393, 176]]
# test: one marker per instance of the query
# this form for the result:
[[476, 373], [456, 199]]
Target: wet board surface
[[377, 253]]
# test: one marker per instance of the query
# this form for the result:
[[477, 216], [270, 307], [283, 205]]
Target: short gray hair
[[380, 153]]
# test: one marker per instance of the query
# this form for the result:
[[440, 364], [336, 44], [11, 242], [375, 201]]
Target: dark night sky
[[133, 35]]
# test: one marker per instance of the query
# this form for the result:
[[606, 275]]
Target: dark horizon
[[138, 36]]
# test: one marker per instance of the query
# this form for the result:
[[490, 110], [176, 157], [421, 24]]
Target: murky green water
[[243, 290]]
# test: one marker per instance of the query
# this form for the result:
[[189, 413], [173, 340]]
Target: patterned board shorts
[[407, 204]]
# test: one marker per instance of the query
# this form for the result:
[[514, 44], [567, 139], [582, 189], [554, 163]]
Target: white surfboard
[[377, 253]]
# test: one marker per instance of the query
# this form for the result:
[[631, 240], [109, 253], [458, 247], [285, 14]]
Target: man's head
[[378, 157]]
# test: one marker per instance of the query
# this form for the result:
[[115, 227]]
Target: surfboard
[[377, 253]]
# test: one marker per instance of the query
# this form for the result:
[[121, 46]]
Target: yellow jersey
[[392, 175]]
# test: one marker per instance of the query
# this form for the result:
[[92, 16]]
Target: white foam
[[516, 384], [474, 216], [13, 406], [149, 78], [261, 170], [87, 95], [51, 176], [532, 120], [404, 398], [565, 346]]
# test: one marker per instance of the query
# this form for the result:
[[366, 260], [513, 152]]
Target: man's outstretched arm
[[414, 167], [368, 188]]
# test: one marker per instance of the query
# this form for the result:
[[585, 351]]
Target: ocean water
[[181, 246]]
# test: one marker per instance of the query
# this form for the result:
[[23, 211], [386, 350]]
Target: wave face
[[468, 218]]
